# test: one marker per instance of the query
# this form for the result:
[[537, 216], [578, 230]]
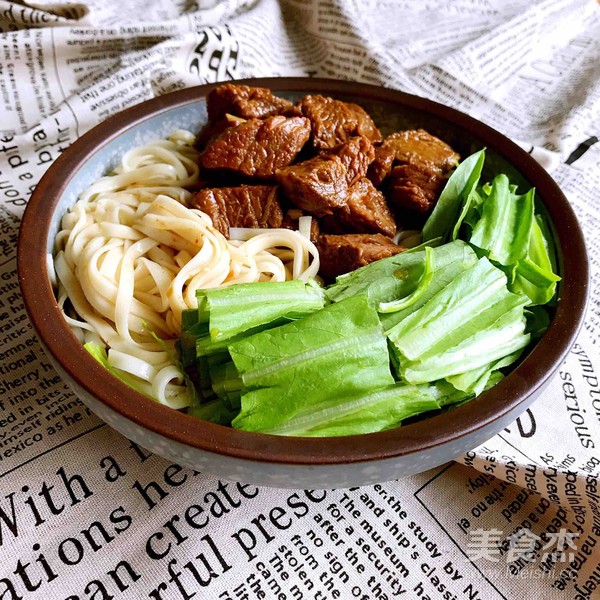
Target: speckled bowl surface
[[281, 461]]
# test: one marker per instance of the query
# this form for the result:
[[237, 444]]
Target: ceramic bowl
[[281, 461]]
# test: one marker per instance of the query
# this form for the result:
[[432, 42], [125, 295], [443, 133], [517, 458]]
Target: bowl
[[293, 462]]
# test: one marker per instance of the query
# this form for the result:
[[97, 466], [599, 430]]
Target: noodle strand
[[131, 255]]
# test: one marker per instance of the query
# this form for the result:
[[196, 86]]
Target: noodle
[[131, 255]]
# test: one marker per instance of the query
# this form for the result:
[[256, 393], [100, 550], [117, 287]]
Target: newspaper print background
[[85, 514]]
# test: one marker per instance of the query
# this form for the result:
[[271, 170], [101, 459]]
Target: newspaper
[[84, 513]]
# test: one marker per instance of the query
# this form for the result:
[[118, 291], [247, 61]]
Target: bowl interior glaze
[[98, 152]]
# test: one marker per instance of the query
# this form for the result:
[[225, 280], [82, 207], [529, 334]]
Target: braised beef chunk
[[320, 184], [381, 166], [254, 134], [244, 101], [241, 206], [415, 187], [334, 121], [356, 154], [366, 211], [343, 253], [257, 147], [416, 146], [416, 183], [317, 185]]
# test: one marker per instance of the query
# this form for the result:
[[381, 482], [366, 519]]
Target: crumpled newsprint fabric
[[86, 514]]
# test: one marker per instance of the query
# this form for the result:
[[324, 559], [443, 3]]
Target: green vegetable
[[191, 329], [475, 380], [458, 397], [397, 277], [213, 411], [460, 306], [422, 286], [472, 321], [382, 281], [239, 308], [504, 229], [534, 275], [538, 320], [380, 409], [339, 352], [227, 384], [469, 213], [189, 318], [450, 261], [505, 336], [100, 354], [502, 225], [230, 314], [447, 210]]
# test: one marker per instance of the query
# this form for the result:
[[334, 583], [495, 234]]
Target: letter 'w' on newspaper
[[84, 513]]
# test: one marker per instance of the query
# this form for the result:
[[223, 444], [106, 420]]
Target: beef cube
[[343, 253], [381, 166], [257, 147], [244, 101], [417, 147], [241, 206], [366, 211], [320, 184], [317, 185], [334, 121], [415, 187], [356, 154], [414, 147], [416, 183]]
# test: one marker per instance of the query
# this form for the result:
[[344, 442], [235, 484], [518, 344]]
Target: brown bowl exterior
[[302, 462]]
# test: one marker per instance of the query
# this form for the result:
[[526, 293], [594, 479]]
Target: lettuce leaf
[[191, 329], [397, 277], [471, 322], [538, 321], [442, 221], [475, 380], [100, 354], [534, 275], [214, 412], [504, 229], [504, 337], [476, 298], [422, 286], [382, 281], [455, 398], [501, 225], [512, 236], [338, 352], [226, 384], [230, 314], [470, 211], [379, 409], [238, 308], [450, 260]]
